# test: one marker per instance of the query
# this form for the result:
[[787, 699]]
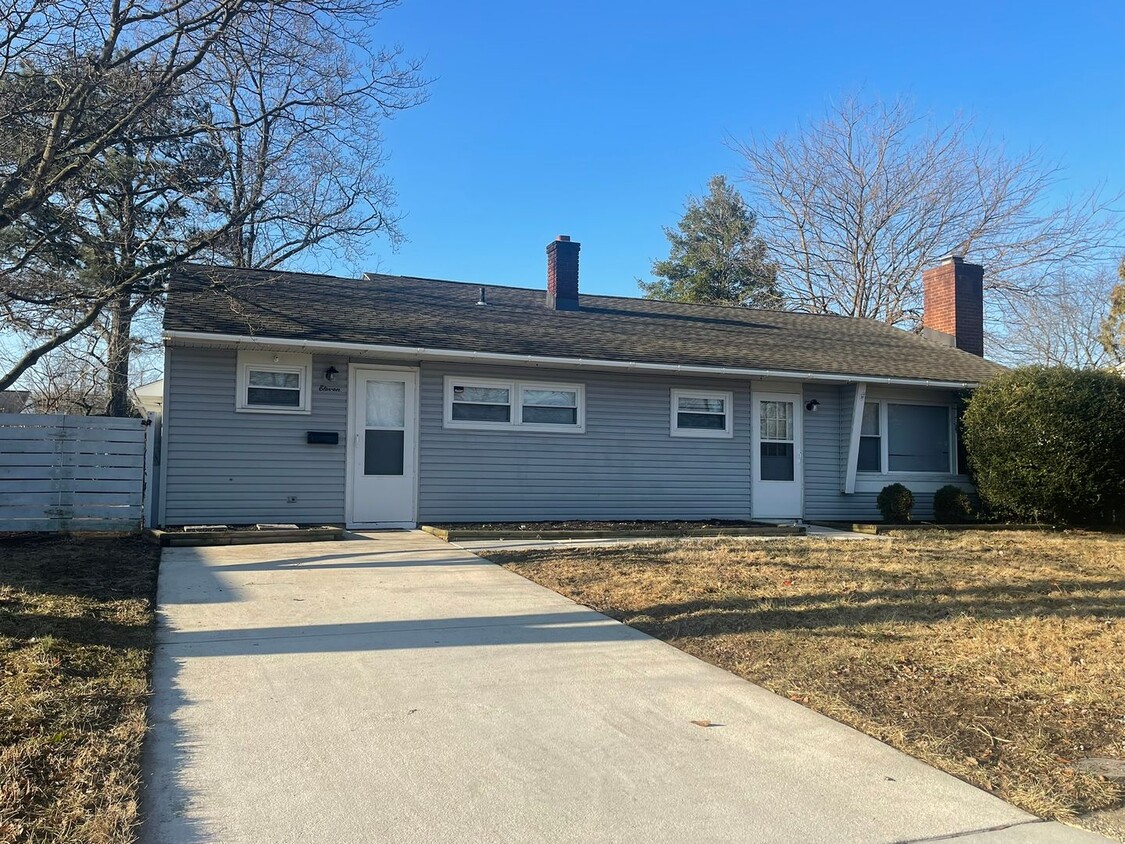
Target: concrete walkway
[[402, 690]]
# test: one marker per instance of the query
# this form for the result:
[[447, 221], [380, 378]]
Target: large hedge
[[1048, 444]]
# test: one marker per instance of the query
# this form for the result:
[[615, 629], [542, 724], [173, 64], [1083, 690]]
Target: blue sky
[[598, 119]]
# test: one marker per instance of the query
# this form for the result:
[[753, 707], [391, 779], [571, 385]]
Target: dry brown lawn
[[76, 636], [996, 656]]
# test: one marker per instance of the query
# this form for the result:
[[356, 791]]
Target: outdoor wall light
[[330, 373], [812, 406]]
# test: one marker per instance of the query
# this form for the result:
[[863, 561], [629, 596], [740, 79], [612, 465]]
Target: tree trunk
[[117, 359]]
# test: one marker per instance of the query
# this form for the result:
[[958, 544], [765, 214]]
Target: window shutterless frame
[[518, 394], [269, 363], [527, 398], [453, 392], [708, 396], [885, 435]]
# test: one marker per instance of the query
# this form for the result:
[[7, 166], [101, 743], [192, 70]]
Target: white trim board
[[859, 399], [453, 355]]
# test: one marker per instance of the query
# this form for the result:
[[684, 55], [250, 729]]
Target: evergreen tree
[[715, 257], [1113, 329]]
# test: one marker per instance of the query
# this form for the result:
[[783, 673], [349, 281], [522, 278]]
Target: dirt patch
[[994, 656], [76, 639]]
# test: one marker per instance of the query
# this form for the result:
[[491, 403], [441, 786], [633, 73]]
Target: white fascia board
[[188, 338]]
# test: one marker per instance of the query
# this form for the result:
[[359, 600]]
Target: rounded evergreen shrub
[[895, 503], [953, 506], [1048, 444]]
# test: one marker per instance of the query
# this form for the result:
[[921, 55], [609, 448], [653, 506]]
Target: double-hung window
[[481, 403], [273, 383], [495, 404], [702, 413], [899, 437], [550, 405], [871, 439]]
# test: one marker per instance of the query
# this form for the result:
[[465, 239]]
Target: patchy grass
[[76, 638], [998, 657]]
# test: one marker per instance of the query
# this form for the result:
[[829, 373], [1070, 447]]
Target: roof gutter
[[453, 355]]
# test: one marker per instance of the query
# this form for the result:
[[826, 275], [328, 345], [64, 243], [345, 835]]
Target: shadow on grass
[[99, 568], [921, 596], [1060, 599], [1079, 599]]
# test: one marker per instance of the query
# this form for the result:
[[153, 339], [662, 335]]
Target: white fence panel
[[71, 472]]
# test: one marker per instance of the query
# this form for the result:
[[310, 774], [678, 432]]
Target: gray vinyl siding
[[224, 467], [625, 466], [827, 434]]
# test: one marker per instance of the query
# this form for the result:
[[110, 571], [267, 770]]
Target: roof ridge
[[373, 276]]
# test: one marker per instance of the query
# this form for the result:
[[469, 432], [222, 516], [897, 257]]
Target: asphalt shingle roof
[[417, 312]]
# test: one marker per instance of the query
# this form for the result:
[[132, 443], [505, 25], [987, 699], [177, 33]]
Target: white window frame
[[273, 362], [885, 439], [728, 428], [881, 436], [580, 406], [515, 389]]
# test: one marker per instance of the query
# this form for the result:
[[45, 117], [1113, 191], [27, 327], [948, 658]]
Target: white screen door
[[382, 449], [776, 460]]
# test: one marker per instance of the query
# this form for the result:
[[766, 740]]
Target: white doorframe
[[354, 370], [794, 503]]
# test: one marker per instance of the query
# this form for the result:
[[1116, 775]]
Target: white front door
[[382, 448], [776, 459]]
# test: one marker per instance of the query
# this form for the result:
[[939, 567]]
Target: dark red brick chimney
[[562, 273], [953, 303]]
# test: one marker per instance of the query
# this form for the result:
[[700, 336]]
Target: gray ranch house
[[388, 401]]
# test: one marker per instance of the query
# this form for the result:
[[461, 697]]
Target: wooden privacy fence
[[71, 472]]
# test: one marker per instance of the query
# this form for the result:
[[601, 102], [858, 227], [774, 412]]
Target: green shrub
[[895, 503], [953, 506], [1048, 444]]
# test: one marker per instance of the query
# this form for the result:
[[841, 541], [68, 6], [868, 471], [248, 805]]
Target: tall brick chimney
[[562, 273], [953, 304]]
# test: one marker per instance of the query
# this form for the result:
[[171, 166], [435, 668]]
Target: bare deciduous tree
[[1060, 326], [298, 112], [79, 49], [856, 206], [70, 379], [259, 145]]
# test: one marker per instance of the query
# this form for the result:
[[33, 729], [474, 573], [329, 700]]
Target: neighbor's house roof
[[424, 315], [150, 397]]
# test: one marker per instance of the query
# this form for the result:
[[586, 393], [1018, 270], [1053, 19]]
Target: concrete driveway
[[399, 689]]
